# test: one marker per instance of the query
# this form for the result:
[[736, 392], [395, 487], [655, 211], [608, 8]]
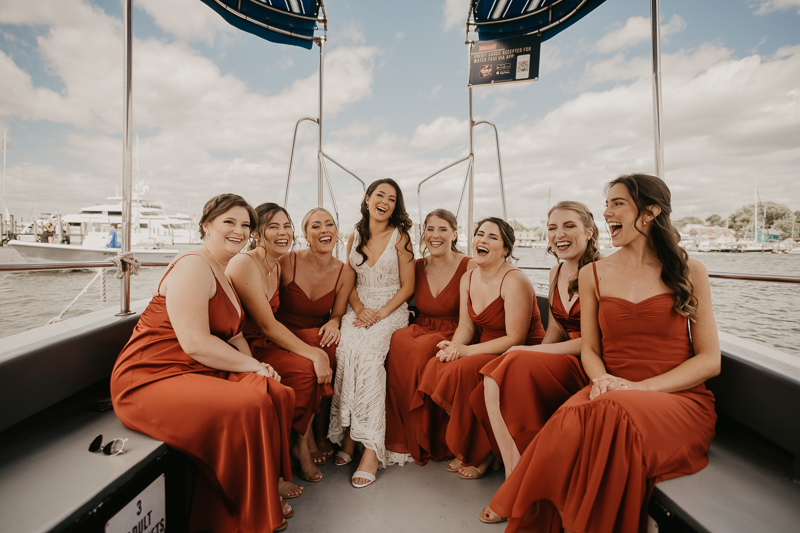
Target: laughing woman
[[649, 342], [436, 295], [312, 307], [186, 377], [498, 304], [524, 387], [379, 251], [305, 368]]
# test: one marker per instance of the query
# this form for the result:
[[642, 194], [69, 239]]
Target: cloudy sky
[[215, 108]]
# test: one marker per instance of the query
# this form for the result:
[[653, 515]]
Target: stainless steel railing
[[30, 267]]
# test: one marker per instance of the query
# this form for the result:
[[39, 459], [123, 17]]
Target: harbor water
[[759, 311]]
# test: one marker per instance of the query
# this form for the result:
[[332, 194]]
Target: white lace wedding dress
[[359, 391]]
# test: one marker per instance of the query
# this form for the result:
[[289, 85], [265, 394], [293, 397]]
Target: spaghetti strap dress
[[447, 387], [410, 351], [533, 384], [303, 316], [234, 425], [598, 460], [296, 371], [359, 393]]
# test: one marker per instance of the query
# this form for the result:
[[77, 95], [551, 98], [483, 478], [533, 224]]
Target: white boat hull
[[37, 252]]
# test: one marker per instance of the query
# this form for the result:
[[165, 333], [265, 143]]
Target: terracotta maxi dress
[[410, 351], [304, 317], [447, 387], [234, 425], [598, 460], [296, 371], [533, 384]]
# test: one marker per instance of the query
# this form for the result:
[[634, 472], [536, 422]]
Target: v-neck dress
[[410, 351], [303, 316], [598, 460], [533, 384], [234, 425], [296, 371], [359, 392], [442, 405]]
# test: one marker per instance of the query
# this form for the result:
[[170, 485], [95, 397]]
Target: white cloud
[[635, 31], [455, 13], [768, 6], [440, 133], [435, 91], [351, 33], [501, 104], [188, 20]]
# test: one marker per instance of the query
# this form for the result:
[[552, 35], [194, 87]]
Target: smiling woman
[[187, 377]]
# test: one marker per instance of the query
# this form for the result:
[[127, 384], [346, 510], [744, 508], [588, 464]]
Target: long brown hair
[[652, 191], [506, 233], [399, 218], [592, 252], [448, 217]]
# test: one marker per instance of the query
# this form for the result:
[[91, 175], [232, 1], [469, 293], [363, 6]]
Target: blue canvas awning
[[495, 19], [280, 21]]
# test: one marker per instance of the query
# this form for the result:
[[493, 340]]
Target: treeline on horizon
[[771, 216]]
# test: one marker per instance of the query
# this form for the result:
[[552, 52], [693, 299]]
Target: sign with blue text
[[504, 60]]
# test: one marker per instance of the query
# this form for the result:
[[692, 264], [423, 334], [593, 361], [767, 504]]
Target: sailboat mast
[[755, 211]]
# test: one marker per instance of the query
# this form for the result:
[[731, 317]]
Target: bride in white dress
[[379, 251]]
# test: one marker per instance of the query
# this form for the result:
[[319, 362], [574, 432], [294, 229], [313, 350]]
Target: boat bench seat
[[751, 481], [53, 403], [49, 481]]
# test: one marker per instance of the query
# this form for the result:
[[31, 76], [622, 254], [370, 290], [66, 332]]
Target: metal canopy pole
[[471, 170], [655, 12], [127, 152], [320, 199]]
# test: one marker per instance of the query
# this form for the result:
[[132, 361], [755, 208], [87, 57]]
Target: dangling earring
[[645, 222]]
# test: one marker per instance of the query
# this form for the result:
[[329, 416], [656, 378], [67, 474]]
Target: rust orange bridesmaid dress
[[533, 384], [410, 351], [448, 386], [296, 371], [598, 460], [234, 425], [304, 317]]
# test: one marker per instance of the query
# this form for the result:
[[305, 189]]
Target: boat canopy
[[495, 19], [280, 21]]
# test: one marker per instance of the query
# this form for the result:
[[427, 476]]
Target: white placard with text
[[146, 513]]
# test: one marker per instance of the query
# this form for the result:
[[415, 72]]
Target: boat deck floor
[[403, 499]]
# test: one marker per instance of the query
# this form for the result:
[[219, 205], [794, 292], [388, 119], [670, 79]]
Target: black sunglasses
[[112, 447]]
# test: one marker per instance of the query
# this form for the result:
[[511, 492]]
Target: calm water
[[759, 311]]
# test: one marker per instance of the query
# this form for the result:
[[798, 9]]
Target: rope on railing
[[134, 264], [66, 309], [128, 257]]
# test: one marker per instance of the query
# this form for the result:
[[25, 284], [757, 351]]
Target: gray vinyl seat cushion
[[48, 477]]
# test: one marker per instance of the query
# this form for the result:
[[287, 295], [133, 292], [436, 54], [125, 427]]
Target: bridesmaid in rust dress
[[312, 307], [524, 387], [649, 343], [306, 369], [186, 377], [500, 300], [436, 295]]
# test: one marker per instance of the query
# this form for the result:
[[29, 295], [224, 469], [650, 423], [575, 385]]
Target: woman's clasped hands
[[268, 371], [451, 351], [367, 317], [607, 383]]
